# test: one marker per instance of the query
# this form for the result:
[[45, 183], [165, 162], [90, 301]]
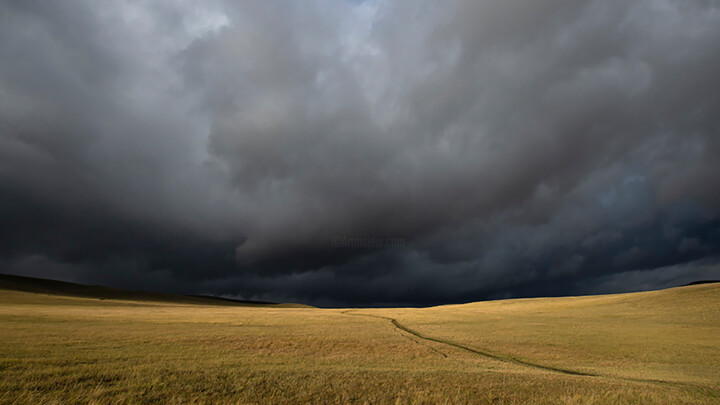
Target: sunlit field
[[653, 347]]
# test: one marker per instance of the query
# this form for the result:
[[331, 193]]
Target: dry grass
[[656, 347]]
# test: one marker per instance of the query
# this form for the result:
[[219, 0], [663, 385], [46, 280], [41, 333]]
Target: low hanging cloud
[[471, 150]]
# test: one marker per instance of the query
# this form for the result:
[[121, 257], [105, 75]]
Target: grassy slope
[[655, 347], [670, 335]]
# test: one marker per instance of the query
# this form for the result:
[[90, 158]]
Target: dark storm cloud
[[515, 148]]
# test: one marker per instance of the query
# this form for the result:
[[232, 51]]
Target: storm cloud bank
[[239, 148]]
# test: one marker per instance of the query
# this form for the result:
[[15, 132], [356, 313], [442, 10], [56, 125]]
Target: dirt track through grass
[[509, 359], [484, 353]]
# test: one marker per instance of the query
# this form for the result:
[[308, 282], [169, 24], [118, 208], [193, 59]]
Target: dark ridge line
[[513, 360], [698, 282], [215, 297], [70, 289]]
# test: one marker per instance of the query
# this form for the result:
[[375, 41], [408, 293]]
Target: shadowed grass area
[[655, 347]]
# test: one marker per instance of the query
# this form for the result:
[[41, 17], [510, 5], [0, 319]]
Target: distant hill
[[702, 282], [55, 287]]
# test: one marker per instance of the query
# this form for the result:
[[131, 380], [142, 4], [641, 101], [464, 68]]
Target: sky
[[348, 153]]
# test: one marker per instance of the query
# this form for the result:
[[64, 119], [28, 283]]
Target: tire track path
[[485, 353], [513, 360]]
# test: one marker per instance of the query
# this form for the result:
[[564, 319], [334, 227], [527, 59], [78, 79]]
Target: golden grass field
[[652, 347]]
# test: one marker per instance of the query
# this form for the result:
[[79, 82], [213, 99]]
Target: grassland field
[[92, 345]]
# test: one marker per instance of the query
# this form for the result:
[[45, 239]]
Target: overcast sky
[[361, 153]]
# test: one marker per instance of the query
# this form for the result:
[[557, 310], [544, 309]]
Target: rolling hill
[[62, 342], [64, 288]]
